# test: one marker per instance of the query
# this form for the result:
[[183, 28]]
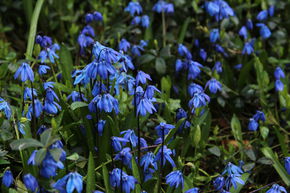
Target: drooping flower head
[[24, 72], [7, 178], [134, 8], [69, 183], [175, 179]]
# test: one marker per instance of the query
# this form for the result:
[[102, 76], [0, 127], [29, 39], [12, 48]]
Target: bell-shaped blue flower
[[183, 51], [7, 178], [279, 85], [243, 32], [42, 69], [166, 156], [142, 77], [271, 10], [277, 189], [248, 48], [124, 45], [148, 160], [130, 136], [145, 21], [163, 129], [105, 102], [133, 8], [219, 183], [233, 180], [279, 73], [124, 156], [265, 32], [117, 143], [69, 183], [259, 116], [214, 85], [249, 24], [175, 179], [192, 190], [24, 72], [193, 70], [5, 107], [145, 106], [214, 35], [100, 127], [30, 182], [262, 15]]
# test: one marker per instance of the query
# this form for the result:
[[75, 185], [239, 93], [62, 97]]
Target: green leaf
[[277, 165], [25, 143], [160, 65], [146, 58], [251, 154], [136, 174], [78, 104], [73, 157], [45, 137], [236, 128], [66, 63], [215, 151], [244, 177], [91, 174], [106, 179], [264, 132], [40, 155], [195, 134], [56, 153]]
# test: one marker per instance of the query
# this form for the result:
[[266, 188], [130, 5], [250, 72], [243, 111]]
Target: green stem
[[163, 29], [33, 27]]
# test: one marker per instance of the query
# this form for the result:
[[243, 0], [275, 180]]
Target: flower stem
[[163, 29]]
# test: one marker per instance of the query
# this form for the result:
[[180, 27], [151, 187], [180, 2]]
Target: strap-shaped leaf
[[25, 143]]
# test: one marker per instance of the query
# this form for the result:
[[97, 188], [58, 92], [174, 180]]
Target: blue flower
[[214, 35], [7, 179], [31, 160], [219, 183], [148, 174], [124, 45], [238, 66], [130, 136], [264, 30], [279, 85], [277, 189], [147, 160], [43, 41], [84, 41], [221, 50], [193, 69], [115, 177], [126, 62], [163, 6], [101, 68], [194, 88], [128, 182], [133, 8], [199, 99], [192, 190], [4, 106], [25, 72], [271, 10], [259, 116], [249, 24], [248, 48], [89, 18], [279, 73], [104, 53], [287, 164], [202, 54], [163, 129], [232, 169], [212, 8], [136, 20], [21, 127], [88, 30], [144, 106], [183, 51], [145, 21], [30, 182], [179, 65], [166, 156], [50, 95], [124, 156], [97, 16], [150, 90], [69, 183], [181, 113], [100, 126], [243, 32], [37, 108], [51, 107], [232, 180], [49, 166], [47, 85], [214, 85], [76, 96], [142, 77], [263, 15], [105, 102], [49, 53], [99, 88], [42, 69], [175, 179], [117, 143], [217, 67]]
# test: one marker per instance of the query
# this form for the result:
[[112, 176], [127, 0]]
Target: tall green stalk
[[33, 28]]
